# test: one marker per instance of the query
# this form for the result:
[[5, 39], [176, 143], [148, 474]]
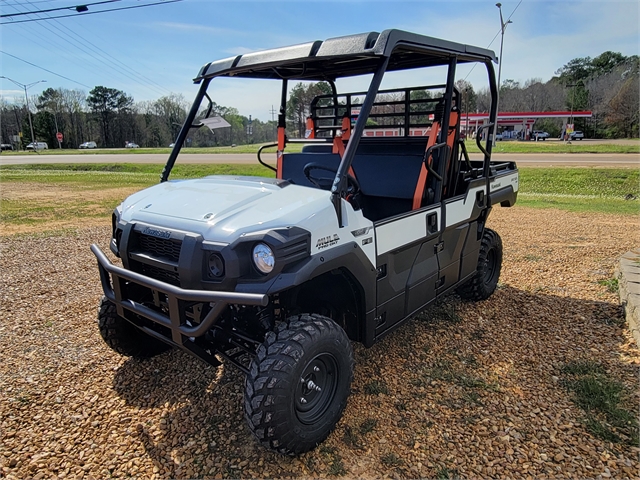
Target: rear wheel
[[123, 337], [298, 384], [485, 280]]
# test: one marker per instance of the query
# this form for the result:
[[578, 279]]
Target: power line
[[61, 48], [112, 63], [42, 68], [77, 8], [93, 13]]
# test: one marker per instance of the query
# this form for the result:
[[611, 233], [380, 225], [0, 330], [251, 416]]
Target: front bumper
[[120, 285]]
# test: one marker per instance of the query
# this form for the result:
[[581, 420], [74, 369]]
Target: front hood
[[224, 206]]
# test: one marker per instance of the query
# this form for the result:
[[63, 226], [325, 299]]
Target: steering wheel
[[353, 187]]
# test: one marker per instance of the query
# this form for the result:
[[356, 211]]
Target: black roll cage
[[367, 53]]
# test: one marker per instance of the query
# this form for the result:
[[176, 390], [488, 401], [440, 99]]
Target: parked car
[[132, 145], [6, 146], [577, 135], [88, 145], [538, 135], [37, 146], [499, 137]]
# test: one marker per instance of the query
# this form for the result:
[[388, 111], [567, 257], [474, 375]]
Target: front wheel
[[485, 280], [298, 384]]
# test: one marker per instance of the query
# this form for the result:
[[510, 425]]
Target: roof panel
[[346, 56]]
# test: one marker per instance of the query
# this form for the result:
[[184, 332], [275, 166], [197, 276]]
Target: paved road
[[619, 160]]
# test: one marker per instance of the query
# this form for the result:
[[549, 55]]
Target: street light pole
[[503, 27], [26, 97]]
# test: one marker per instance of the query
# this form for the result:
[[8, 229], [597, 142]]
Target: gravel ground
[[469, 390]]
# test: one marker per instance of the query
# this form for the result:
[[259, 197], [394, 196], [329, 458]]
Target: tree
[[109, 105], [623, 113], [300, 102]]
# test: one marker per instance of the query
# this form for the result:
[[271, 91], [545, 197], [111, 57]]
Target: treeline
[[607, 85], [111, 118]]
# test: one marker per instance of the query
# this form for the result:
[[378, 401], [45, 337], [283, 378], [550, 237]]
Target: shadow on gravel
[[454, 368], [195, 421]]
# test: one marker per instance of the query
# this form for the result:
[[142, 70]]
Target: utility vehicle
[[380, 213]]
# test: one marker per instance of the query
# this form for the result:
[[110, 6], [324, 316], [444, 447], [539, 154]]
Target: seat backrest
[[293, 165]]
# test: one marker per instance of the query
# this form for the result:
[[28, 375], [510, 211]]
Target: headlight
[[216, 265], [263, 258]]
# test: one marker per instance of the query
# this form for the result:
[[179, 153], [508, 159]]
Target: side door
[[407, 264], [461, 234]]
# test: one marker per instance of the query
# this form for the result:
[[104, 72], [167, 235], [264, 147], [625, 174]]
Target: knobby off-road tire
[[123, 337], [485, 280], [298, 384]]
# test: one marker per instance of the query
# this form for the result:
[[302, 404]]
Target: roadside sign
[[569, 128], [59, 136]]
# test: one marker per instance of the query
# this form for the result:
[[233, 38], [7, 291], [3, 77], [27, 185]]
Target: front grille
[[166, 276], [159, 247]]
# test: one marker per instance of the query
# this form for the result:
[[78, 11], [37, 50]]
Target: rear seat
[[387, 175]]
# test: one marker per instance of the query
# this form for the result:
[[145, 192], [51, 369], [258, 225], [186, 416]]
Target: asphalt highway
[[618, 160]]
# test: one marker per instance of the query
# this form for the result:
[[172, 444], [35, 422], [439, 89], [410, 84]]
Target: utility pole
[[26, 97], [503, 27]]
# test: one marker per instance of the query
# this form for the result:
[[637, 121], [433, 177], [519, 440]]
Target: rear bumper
[[119, 286]]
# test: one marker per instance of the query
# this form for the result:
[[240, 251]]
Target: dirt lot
[[470, 390]]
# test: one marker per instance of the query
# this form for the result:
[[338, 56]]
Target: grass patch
[[368, 426], [581, 189], [547, 146], [112, 175], [601, 398], [376, 387], [444, 473], [555, 147], [350, 437], [611, 284], [251, 148], [90, 191], [391, 460], [336, 468]]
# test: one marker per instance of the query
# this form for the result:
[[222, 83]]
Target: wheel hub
[[316, 388]]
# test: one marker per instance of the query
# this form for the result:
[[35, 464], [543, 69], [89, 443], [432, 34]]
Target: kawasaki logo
[[154, 232], [324, 242]]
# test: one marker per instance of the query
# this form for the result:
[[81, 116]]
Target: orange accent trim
[[343, 137], [346, 129], [311, 130], [451, 136], [281, 138], [338, 146], [281, 145], [422, 178]]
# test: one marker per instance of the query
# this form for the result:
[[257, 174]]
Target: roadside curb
[[628, 275]]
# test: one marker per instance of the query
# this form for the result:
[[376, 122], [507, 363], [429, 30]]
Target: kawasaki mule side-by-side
[[379, 214]]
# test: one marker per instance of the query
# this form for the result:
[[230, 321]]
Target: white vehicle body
[[224, 208], [357, 233]]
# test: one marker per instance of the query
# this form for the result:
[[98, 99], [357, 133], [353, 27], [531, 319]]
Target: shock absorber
[[265, 317]]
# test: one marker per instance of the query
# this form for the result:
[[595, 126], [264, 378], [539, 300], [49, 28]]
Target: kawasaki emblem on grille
[[154, 232]]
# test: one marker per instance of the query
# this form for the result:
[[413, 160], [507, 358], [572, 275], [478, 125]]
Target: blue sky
[[154, 51]]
